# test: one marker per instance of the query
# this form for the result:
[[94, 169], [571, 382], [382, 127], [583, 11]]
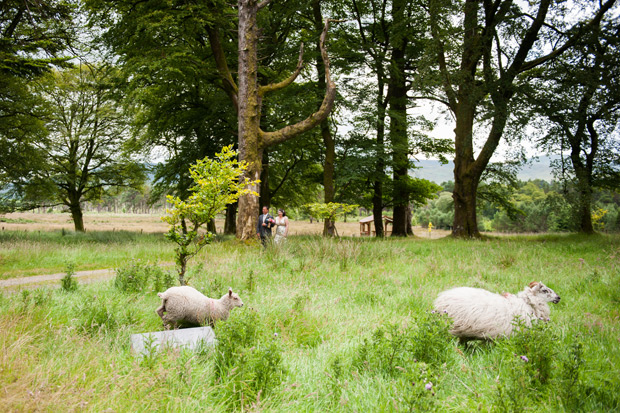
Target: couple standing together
[[266, 222]]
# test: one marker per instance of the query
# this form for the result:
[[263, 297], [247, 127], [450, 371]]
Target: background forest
[[109, 103]]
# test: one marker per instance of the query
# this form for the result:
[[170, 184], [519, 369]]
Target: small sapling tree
[[216, 184], [329, 211]]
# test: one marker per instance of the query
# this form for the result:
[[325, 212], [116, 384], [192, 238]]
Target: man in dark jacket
[[265, 223]]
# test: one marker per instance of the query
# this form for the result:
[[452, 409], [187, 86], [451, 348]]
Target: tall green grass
[[331, 325], [47, 252]]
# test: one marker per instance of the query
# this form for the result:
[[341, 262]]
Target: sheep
[[186, 305], [481, 314]]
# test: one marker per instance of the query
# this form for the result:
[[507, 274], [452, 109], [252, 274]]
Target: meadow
[[328, 325]]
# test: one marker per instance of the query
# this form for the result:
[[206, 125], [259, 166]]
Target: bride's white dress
[[280, 229]]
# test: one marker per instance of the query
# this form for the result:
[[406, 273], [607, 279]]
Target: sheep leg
[[160, 311], [169, 323], [464, 340]]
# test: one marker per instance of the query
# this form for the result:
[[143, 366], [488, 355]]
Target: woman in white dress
[[281, 227]]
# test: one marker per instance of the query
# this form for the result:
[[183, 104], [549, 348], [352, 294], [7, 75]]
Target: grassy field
[[47, 252], [328, 325], [38, 244]]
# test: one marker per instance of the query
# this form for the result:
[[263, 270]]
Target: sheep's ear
[[230, 291], [535, 285]]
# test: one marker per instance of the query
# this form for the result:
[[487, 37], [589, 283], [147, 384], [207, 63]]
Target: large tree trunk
[[409, 219], [77, 216], [583, 172], [329, 226], [250, 149], [230, 224], [465, 224], [211, 226], [398, 123], [328, 174], [585, 210], [377, 196], [252, 140], [328, 139]]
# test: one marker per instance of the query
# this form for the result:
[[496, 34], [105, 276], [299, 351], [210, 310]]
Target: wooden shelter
[[367, 223]]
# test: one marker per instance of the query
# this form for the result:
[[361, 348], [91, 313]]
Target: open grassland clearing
[[152, 223], [36, 253], [40, 244], [330, 325]]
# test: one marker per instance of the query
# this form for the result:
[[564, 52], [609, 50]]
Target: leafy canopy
[[216, 184], [330, 210]]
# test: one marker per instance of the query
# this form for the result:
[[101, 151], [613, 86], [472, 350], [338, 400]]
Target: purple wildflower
[[428, 386], [524, 358]]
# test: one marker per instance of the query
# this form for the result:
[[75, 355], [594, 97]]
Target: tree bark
[[377, 196], [230, 224], [77, 216], [249, 101], [211, 226], [474, 85], [398, 123], [409, 218], [583, 172], [328, 140], [252, 140]]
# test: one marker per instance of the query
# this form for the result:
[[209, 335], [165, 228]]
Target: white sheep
[[481, 314], [186, 305]]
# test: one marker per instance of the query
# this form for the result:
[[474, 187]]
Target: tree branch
[[228, 84], [262, 90], [571, 41], [263, 4], [288, 170], [441, 58], [288, 132]]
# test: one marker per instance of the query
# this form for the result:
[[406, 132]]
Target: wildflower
[[428, 386], [524, 358]]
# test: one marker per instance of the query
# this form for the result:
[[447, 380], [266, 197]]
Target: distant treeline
[[535, 206]]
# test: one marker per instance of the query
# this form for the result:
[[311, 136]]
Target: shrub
[[248, 364], [68, 282], [138, 276], [101, 314], [539, 367], [299, 326], [392, 350]]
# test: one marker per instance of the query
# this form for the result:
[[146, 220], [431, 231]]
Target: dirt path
[[34, 281]]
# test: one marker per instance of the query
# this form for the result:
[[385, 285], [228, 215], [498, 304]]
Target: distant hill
[[434, 171]]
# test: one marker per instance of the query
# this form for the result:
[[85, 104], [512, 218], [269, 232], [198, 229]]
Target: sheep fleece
[[479, 313], [189, 305]]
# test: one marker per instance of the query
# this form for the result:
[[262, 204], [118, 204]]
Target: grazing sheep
[[186, 305], [481, 314]]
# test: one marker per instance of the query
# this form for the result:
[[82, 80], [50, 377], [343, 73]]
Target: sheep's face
[[544, 292], [233, 299]]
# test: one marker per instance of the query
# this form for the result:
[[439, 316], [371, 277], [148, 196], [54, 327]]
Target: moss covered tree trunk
[[252, 140], [250, 148]]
